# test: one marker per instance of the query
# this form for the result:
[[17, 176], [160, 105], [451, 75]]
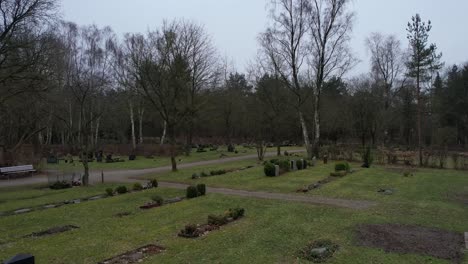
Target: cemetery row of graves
[[417, 215]]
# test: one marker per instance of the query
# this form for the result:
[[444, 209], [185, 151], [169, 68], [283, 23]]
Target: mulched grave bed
[[214, 223], [120, 215], [155, 204], [134, 256], [52, 231], [412, 239], [317, 184]]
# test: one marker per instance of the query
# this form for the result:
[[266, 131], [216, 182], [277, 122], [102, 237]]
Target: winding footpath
[[127, 176]]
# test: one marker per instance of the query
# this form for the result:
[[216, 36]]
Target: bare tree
[[386, 61], [196, 46], [330, 29], [26, 46], [163, 74], [87, 57], [284, 45]]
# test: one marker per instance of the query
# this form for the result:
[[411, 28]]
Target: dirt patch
[[52, 231], [134, 256], [412, 239], [123, 214]]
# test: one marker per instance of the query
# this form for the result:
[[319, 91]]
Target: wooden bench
[[17, 170]]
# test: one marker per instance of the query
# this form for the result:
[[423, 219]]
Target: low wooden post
[[102, 176]]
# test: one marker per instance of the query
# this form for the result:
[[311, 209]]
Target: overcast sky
[[234, 24]]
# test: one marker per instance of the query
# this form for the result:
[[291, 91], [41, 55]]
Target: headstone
[[314, 161], [277, 170], [95, 198], [21, 259], [293, 165], [302, 164], [21, 211], [319, 251]]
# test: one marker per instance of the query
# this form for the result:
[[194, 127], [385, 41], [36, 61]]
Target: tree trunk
[[188, 143], [84, 159], [261, 149], [305, 134], [316, 144], [140, 124], [418, 97], [173, 147], [132, 121], [163, 137], [96, 135]]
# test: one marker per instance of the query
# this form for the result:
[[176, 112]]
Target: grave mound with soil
[[134, 256], [412, 239], [123, 214], [53, 230]]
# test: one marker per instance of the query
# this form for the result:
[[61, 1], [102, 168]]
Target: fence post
[[102, 176]]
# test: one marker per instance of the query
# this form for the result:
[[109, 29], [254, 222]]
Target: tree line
[[84, 86]]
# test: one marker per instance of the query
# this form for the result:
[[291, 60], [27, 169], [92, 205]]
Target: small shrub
[[217, 220], [109, 192], [154, 183], [269, 169], [305, 164], [217, 172], [342, 166], [231, 148], [201, 188], [367, 157], [204, 174], [189, 231], [60, 185], [157, 199], [236, 213], [275, 161], [285, 165], [192, 192], [338, 174], [121, 189], [137, 186], [195, 176], [286, 153], [299, 164]]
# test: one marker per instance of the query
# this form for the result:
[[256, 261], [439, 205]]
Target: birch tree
[[285, 45], [330, 26]]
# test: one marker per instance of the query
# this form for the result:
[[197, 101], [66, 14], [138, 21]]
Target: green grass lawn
[[144, 163], [271, 232]]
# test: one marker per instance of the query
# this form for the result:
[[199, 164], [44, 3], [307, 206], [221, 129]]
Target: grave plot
[[122, 214], [412, 239], [52, 231], [318, 251], [135, 256], [204, 174], [214, 223], [120, 190], [341, 169]]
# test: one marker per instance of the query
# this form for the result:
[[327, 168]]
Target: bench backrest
[[16, 168]]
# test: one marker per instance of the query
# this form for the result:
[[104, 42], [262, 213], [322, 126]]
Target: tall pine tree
[[422, 62]]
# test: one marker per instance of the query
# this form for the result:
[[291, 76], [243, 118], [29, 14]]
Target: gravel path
[[131, 175]]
